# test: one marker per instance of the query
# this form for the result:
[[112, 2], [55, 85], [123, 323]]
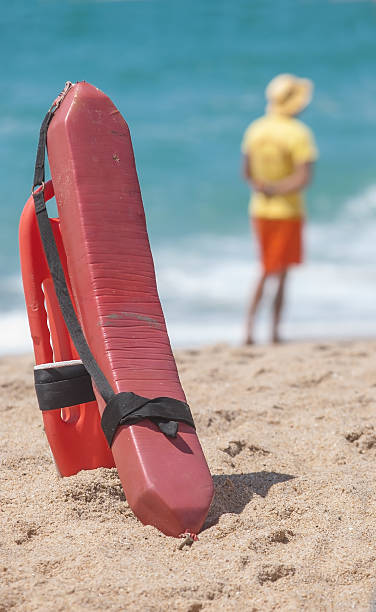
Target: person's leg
[[278, 305], [254, 303]]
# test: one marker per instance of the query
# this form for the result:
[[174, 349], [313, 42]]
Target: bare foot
[[276, 339], [248, 341]]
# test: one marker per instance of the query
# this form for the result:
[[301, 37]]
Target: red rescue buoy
[[75, 435], [109, 267]]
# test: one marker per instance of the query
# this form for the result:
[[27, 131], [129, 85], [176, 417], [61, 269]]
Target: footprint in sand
[[312, 382], [235, 447], [195, 607], [258, 450], [265, 541], [27, 531], [49, 568], [87, 493], [226, 415], [218, 416], [363, 438], [273, 572]]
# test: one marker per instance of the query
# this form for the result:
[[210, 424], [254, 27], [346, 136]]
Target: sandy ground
[[289, 436]]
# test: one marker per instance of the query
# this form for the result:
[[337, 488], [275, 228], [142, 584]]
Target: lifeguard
[[278, 156]]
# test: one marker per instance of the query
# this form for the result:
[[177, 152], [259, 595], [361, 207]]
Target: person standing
[[279, 152]]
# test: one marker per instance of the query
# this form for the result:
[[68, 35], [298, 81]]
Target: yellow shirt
[[276, 144]]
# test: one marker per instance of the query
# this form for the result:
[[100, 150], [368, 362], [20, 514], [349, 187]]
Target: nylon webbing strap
[[164, 411], [127, 408], [55, 266]]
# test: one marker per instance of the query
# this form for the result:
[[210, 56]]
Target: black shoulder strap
[[68, 311], [54, 262]]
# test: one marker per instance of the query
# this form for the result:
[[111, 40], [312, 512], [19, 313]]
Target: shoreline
[[289, 436]]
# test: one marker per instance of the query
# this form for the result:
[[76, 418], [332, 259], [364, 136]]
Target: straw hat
[[288, 95]]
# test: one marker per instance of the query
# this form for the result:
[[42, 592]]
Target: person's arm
[[299, 179], [247, 173], [247, 168]]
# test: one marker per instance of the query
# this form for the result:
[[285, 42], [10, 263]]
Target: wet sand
[[289, 435]]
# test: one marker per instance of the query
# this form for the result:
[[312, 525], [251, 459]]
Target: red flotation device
[[103, 245]]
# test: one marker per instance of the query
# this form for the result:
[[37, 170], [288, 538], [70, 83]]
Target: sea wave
[[362, 206], [14, 333], [205, 281]]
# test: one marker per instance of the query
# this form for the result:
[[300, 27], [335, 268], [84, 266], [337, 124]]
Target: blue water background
[[189, 77]]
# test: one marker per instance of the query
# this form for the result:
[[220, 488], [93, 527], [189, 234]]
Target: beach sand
[[289, 436]]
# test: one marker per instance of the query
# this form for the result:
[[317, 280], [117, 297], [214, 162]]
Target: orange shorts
[[280, 242]]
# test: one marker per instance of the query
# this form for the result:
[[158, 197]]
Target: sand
[[289, 436]]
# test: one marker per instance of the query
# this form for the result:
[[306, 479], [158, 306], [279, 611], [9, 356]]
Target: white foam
[[204, 283], [14, 333], [332, 295], [362, 206]]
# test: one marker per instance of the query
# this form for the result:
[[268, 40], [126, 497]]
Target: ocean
[[189, 77]]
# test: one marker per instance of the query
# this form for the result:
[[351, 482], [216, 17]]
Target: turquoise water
[[188, 78]]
